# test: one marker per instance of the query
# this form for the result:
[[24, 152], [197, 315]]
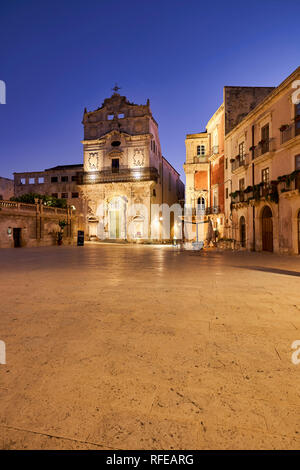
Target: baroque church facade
[[124, 172], [123, 176]]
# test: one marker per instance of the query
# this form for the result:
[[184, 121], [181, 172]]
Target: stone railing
[[26, 207], [118, 175]]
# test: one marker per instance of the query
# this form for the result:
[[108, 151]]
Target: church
[[124, 176]]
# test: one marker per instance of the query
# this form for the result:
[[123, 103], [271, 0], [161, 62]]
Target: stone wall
[[239, 101], [6, 188], [36, 225]]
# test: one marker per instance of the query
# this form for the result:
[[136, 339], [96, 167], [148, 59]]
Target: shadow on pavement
[[271, 270]]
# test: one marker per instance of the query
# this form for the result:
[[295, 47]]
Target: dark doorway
[[243, 231], [17, 237], [267, 229], [115, 165]]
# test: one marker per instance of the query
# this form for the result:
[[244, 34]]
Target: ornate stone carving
[[93, 160], [138, 157]]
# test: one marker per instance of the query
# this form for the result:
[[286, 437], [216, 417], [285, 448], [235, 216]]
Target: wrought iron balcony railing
[[289, 132], [117, 175], [212, 210], [202, 210], [238, 162], [264, 146]]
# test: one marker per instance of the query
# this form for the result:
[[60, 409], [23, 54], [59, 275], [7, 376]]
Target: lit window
[[242, 150], [265, 175]]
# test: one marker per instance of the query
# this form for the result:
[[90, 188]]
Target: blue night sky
[[58, 57]]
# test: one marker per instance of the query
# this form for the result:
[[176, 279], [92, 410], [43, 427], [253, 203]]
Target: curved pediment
[[115, 153]]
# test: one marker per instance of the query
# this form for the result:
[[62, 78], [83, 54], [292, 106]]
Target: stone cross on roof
[[116, 88]]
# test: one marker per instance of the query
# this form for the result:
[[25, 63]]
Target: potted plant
[[283, 127], [62, 224]]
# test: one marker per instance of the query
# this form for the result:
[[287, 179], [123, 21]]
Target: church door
[[114, 216]]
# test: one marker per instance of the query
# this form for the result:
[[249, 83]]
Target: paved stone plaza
[[144, 347]]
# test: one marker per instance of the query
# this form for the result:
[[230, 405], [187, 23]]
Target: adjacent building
[[6, 188], [263, 173]]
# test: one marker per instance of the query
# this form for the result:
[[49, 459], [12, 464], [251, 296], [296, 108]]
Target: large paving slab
[[147, 347]]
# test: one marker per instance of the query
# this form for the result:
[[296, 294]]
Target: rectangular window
[[74, 178], [265, 139], [31, 180], [265, 175], [54, 195], [215, 197], [297, 119], [64, 195], [115, 164], [226, 193], [41, 180], [226, 163], [110, 117], [242, 150], [242, 184], [22, 180], [54, 179], [121, 115], [200, 150], [75, 195], [64, 179]]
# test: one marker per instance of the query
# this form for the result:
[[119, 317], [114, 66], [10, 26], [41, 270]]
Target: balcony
[[200, 159], [255, 193], [212, 210], [290, 183], [288, 132], [264, 147], [238, 162], [202, 210], [118, 175]]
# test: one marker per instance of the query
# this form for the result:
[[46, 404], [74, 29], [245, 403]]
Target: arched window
[[201, 203]]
